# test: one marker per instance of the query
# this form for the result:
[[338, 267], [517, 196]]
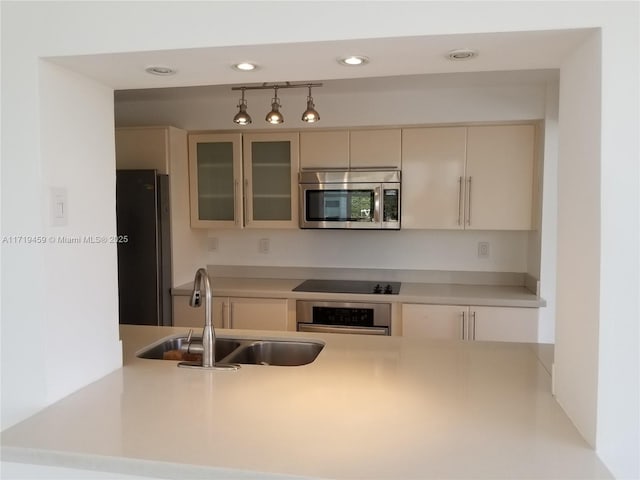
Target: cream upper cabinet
[[375, 148], [438, 322], [433, 170], [380, 148], [324, 149], [215, 180], [143, 148], [271, 180], [476, 178], [500, 177]]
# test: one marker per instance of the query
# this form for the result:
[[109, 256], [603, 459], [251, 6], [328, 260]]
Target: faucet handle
[[189, 335]]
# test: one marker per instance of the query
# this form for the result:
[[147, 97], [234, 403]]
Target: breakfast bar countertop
[[367, 407]]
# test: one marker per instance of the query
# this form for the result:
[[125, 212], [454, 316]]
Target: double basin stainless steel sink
[[243, 351]]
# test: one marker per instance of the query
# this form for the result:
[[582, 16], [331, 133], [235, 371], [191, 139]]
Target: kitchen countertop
[[368, 407], [429, 293]]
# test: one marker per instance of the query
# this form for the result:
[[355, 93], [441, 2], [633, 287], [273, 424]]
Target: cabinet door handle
[[462, 324], [235, 202], [469, 202], [459, 200], [245, 199], [473, 316]]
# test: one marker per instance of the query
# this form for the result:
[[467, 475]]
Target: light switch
[[59, 210]]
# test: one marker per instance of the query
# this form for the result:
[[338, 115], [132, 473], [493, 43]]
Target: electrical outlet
[[212, 244], [483, 250], [263, 245]]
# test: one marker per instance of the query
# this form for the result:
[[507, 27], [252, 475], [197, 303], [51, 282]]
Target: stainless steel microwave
[[350, 199]]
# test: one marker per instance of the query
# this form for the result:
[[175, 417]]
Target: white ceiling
[[413, 57]]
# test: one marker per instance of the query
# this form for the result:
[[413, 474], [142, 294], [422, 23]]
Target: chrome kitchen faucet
[[208, 342]]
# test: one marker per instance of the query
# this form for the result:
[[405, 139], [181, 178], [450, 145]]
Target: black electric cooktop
[[349, 286]]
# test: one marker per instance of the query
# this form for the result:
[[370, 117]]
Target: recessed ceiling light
[[160, 70], [462, 54], [245, 66], [353, 60]]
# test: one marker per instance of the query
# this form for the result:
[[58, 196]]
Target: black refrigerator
[[144, 249]]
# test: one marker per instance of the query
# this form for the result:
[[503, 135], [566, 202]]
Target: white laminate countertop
[[428, 293], [368, 407]]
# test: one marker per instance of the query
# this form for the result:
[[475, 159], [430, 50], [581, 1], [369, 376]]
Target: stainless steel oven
[[351, 199], [343, 317]]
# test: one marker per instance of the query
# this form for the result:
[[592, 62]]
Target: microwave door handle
[[377, 200]]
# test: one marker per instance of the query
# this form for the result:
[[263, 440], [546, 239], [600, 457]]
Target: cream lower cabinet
[[234, 312], [503, 324], [255, 313], [450, 322], [440, 322], [187, 316]]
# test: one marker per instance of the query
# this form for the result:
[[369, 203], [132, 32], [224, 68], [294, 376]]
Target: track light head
[[242, 117], [274, 117], [310, 115]]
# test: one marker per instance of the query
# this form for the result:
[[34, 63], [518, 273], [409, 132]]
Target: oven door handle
[[307, 327]]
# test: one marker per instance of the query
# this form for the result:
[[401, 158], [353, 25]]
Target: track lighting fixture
[[310, 115], [275, 116], [242, 117]]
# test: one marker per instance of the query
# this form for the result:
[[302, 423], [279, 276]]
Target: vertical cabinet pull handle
[[459, 200], [469, 201], [235, 202], [473, 315], [245, 200], [463, 325]]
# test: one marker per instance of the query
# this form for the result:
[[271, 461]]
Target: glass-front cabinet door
[[215, 178], [270, 180]]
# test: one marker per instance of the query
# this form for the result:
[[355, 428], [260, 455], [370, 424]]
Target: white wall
[[618, 422], [578, 264], [59, 292], [443, 99], [80, 284], [53, 29], [405, 249], [212, 109], [597, 360], [543, 242]]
